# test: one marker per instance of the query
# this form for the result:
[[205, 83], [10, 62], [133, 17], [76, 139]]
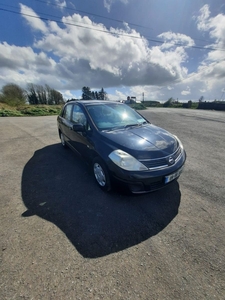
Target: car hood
[[143, 142]]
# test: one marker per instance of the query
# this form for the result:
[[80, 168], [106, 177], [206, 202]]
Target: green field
[[29, 110]]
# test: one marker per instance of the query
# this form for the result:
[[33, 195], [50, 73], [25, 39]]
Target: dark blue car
[[121, 145]]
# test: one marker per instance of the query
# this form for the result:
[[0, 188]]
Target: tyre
[[62, 138], [101, 174]]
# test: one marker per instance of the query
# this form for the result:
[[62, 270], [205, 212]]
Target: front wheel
[[101, 174]]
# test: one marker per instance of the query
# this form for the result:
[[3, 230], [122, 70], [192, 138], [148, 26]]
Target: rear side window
[[67, 112]]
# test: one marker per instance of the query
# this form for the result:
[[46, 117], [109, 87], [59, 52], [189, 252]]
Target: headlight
[[179, 142], [126, 161]]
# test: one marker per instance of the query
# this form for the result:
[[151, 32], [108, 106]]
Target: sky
[[148, 49]]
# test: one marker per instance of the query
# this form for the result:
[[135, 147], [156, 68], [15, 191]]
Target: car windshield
[[113, 116]]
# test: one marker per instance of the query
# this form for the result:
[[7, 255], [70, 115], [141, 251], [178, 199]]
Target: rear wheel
[[101, 174]]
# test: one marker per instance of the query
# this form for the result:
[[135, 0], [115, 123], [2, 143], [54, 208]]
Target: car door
[[65, 122], [81, 141]]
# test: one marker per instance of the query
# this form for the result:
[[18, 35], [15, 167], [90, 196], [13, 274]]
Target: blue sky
[[162, 49]]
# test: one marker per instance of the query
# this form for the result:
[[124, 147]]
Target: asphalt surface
[[61, 237]]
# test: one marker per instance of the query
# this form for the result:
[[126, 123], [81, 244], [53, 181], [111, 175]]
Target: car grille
[[164, 162]]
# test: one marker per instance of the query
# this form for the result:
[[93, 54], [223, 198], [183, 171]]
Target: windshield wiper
[[124, 126], [134, 125], [131, 125]]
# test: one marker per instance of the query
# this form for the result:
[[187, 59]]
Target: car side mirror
[[79, 128]]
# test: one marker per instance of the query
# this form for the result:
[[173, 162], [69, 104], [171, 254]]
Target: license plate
[[173, 175]]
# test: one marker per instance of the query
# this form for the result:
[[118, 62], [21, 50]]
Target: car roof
[[92, 102]]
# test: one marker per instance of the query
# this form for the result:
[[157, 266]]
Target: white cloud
[[212, 69], [61, 3], [22, 65], [186, 92], [203, 17], [150, 93], [215, 26], [35, 22], [68, 95], [120, 95], [15, 57], [113, 55], [109, 3], [88, 54], [173, 39]]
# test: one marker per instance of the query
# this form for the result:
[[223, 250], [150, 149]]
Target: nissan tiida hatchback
[[121, 145]]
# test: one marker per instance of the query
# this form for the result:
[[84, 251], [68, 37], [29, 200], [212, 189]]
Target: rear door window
[[78, 116], [67, 112]]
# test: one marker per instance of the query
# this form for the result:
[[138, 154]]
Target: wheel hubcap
[[99, 174]]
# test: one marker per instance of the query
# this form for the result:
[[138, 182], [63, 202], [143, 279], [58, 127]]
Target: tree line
[[87, 94], [14, 95]]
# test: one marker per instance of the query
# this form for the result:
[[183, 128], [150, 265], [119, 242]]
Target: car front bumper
[[147, 181]]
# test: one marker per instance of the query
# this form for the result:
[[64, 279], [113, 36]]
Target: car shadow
[[58, 186]]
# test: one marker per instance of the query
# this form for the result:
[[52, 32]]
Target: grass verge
[[29, 110]]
